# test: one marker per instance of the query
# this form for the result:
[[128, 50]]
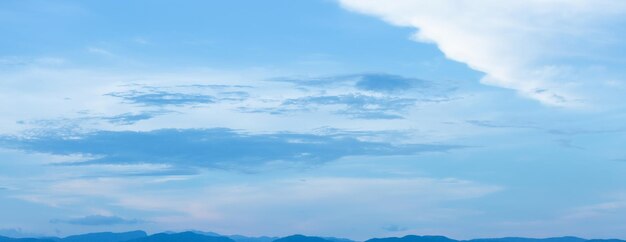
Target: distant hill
[[414, 238], [7, 239], [241, 238], [105, 237], [199, 236], [181, 237], [605, 240], [334, 239], [518, 239], [302, 238], [236, 238], [206, 233]]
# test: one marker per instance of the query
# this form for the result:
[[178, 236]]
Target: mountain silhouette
[[414, 238], [237, 238], [335, 239], [105, 237], [241, 238], [302, 238], [199, 236], [181, 237], [519, 239], [7, 239]]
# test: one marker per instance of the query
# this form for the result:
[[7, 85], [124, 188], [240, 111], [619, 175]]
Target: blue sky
[[350, 118]]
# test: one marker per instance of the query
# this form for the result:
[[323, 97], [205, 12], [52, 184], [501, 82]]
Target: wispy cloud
[[141, 41], [559, 130], [388, 83], [184, 95], [84, 117], [356, 106], [162, 98], [395, 228], [100, 51], [130, 118], [216, 148], [375, 82], [358, 96]]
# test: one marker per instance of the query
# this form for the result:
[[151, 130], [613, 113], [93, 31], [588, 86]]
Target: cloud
[[598, 210], [85, 117], [568, 143], [553, 51], [560, 129], [216, 148], [491, 124], [376, 82], [163, 171], [181, 95], [162, 98], [356, 105], [233, 96], [130, 118], [358, 96], [97, 220], [100, 51], [141, 41], [395, 228], [387, 83]]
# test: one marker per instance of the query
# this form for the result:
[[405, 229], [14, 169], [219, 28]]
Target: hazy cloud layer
[[221, 148]]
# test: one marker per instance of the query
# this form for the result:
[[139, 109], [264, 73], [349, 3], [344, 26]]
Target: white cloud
[[545, 50]]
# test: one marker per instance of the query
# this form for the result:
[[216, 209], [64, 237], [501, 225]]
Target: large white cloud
[[548, 50]]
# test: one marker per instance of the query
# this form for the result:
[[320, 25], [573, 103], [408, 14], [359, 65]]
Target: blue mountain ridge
[[7, 239], [105, 237], [181, 237], [199, 236], [430, 238]]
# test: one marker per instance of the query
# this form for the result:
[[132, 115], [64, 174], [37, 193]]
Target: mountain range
[[199, 236]]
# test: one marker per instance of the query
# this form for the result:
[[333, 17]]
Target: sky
[[345, 118]]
